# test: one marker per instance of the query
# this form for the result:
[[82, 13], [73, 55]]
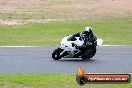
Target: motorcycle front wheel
[[56, 53]]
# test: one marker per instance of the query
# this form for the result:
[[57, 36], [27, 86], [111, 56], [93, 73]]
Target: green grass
[[49, 81], [116, 31]]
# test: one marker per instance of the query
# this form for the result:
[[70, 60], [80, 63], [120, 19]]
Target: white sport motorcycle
[[68, 48]]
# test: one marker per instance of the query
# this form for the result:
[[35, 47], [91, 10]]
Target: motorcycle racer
[[90, 40], [81, 44]]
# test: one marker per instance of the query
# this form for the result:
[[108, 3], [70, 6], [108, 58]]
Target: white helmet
[[88, 29]]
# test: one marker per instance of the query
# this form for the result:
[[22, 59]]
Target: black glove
[[78, 47]]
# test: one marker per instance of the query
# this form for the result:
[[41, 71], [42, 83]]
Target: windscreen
[[71, 38]]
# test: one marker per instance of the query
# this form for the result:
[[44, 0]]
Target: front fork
[[64, 54]]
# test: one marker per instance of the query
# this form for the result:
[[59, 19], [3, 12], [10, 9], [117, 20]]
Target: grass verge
[[116, 31], [49, 81]]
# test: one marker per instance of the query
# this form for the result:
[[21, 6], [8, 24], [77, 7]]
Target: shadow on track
[[76, 60]]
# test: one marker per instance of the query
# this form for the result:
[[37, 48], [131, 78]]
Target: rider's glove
[[88, 43], [78, 47]]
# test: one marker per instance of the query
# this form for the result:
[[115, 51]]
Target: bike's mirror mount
[[73, 44], [80, 38]]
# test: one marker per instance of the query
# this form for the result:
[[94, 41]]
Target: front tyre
[[56, 53]]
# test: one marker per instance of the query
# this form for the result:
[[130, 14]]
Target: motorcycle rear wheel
[[89, 53]]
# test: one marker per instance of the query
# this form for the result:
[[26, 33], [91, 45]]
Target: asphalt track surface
[[108, 59]]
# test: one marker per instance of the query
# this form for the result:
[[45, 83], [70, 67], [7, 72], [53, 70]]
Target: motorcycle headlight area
[[66, 47]]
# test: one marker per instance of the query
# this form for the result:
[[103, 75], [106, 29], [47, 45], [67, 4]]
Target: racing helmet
[[88, 31]]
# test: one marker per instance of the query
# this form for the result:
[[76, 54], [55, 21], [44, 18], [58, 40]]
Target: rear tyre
[[89, 53], [56, 53]]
